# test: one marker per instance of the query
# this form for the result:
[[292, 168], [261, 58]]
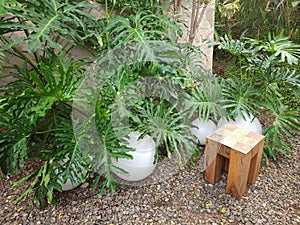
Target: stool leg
[[238, 171], [214, 163], [255, 163], [226, 166], [213, 172]]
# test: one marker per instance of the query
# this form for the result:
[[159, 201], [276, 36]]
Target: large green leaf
[[285, 125], [13, 153], [238, 97], [206, 98], [49, 20]]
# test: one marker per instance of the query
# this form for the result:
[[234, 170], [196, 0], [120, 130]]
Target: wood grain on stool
[[237, 150]]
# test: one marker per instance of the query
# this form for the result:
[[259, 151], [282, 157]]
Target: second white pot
[[202, 129], [141, 166], [248, 123]]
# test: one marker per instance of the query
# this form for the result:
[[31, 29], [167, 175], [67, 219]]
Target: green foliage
[[135, 28], [37, 107], [33, 110], [49, 20], [278, 47], [35, 122], [265, 82], [234, 47], [256, 18], [238, 97], [63, 161], [285, 124], [228, 9], [168, 126], [131, 7], [206, 98]]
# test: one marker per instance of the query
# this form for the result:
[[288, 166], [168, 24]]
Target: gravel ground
[[185, 198]]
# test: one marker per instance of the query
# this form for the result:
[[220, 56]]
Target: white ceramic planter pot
[[142, 164], [203, 129], [248, 124]]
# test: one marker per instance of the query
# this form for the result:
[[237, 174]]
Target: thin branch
[[192, 33], [196, 19]]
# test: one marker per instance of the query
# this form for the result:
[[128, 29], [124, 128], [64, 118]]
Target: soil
[[183, 198]]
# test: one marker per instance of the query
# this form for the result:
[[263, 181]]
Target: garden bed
[[185, 198], [158, 76]]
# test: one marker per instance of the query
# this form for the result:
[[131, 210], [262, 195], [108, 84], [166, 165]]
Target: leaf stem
[[48, 131]]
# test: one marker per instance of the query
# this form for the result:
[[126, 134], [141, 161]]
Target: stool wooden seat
[[237, 151]]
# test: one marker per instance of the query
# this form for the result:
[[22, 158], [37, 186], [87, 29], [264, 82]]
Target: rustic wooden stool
[[237, 151]]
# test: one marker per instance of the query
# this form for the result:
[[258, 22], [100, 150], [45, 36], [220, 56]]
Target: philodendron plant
[[75, 115], [265, 80], [38, 107]]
